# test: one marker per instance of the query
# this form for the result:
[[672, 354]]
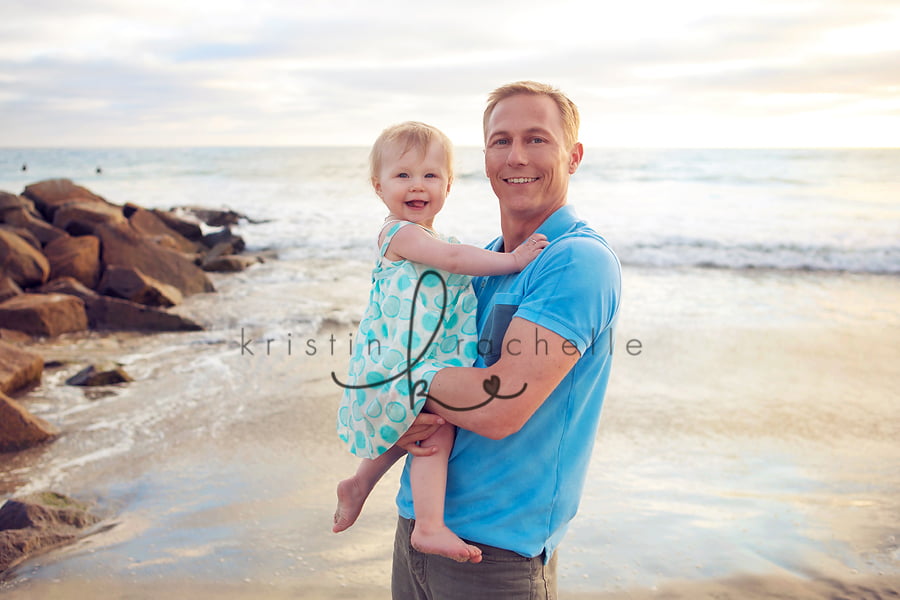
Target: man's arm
[[532, 357]]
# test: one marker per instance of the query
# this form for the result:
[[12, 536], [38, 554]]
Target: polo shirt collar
[[559, 223], [554, 226]]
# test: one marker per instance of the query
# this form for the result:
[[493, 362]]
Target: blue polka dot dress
[[394, 332]]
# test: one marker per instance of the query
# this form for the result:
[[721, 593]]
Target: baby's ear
[[449, 183], [377, 185]]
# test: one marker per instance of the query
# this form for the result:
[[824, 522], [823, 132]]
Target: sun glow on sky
[[646, 73]]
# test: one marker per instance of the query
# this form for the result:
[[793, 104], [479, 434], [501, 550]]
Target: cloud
[[103, 72]]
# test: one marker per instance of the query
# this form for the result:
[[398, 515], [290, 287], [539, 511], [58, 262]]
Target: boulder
[[122, 315], [77, 257], [211, 240], [131, 284], [95, 375], [18, 368], [118, 314], [124, 247], [23, 233], [51, 194], [8, 288], [214, 217], [228, 264], [186, 226], [70, 286], [10, 201], [151, 226], [38, 522], [43, 314], [21, 262], [82, 218], [39, 228], [19, 429]]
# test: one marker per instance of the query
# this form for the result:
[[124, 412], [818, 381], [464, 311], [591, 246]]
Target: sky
[[644, 73]]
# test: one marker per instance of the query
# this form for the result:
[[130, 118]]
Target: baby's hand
[[529, 249]]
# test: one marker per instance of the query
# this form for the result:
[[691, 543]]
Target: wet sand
[[747, 451]]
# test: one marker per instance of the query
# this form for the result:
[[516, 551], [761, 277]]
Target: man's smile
[[518, 180]]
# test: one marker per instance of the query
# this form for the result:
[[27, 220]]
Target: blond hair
[[410, 135], [567, 109]]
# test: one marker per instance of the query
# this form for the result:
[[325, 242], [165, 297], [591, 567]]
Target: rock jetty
[[70, 261]]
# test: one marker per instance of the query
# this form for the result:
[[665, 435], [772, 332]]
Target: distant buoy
[[99, 170], [24, 166]]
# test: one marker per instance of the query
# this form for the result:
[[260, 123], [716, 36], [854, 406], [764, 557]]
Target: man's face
[[526, 158]]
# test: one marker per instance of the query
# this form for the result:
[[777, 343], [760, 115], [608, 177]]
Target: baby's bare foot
[[351, 498], [443, 542]]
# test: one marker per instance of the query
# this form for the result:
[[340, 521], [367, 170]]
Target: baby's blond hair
[[409, 135]]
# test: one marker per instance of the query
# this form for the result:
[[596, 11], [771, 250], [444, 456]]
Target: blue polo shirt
[[520, 493]]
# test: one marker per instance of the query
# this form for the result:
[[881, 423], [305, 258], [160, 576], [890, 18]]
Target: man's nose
[[517, 155]]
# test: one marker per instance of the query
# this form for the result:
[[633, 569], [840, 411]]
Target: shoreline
[[690, 468], [736, 587]]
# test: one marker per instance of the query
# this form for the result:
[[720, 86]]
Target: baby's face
[[414, 184]]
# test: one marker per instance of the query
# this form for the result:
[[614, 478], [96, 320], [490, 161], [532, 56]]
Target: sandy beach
[[747, 449]]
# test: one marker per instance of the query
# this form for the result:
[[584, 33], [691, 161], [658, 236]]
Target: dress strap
[[392, 227]]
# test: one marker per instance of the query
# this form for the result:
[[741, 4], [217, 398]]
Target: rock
[[19, 429], [9, 201], [42, 230], [8, 288], [25, 234], [51, 194], [221, 259], [229, 264], [38, 522], [148, 224], [131, 284], [21, 262], [82, 218], [214, 217], [117, 314], [121, 315], [43, 314], [124, 247], [77, 257], [70, 286], [211, 240], [190, 229], [95, 375], [18, 368]]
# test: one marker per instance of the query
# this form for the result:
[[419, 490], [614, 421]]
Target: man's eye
[[501, 142], [537, 140]]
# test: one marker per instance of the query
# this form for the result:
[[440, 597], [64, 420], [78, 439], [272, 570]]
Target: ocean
[[819, 210], [750, 425]]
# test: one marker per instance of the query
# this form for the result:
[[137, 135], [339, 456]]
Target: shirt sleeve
[[573, 290]]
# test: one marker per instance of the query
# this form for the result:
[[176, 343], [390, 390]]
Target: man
[[545, 338]]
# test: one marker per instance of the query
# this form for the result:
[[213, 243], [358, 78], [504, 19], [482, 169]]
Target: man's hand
[[424, 425]]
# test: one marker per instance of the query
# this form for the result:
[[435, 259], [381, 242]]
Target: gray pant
[[500, 575]]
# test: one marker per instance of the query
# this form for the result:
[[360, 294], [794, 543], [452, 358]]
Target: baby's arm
[[412, 243]]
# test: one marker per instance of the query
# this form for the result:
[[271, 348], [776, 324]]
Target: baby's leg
[[352, 492], [428, 480]]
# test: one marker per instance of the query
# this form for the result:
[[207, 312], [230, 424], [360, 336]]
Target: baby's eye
[[430, 175], [402, 175]]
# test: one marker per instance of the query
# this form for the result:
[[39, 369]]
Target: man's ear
[[575, 156]]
